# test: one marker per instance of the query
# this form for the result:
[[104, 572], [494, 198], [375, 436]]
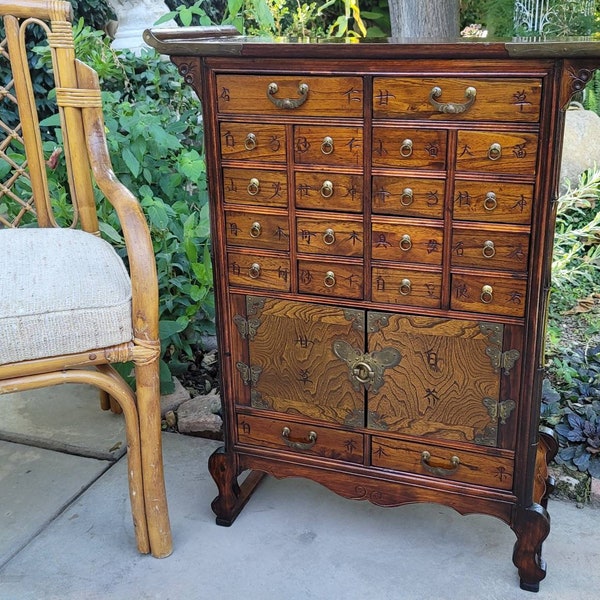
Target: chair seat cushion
[[62, 291]]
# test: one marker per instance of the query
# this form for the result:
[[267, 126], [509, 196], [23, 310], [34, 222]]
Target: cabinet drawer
[[300, 438], [404, 240], [290, 95], [257, 230], [444, 463], [329, 191], [256, 187], [407, 286], [251, 141], [492, 202], [493, 294], [503, 99], [328, 145], [330, 278], [490, 248], [496, 152], [409, 148], [408, 196], [259, 271], [340, 237]]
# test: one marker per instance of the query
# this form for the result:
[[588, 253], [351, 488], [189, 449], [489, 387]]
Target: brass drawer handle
[[329, 237], [363, 372], [407, 197], [495, 151], [327, 189], [255, 230], [405, 287], [329, 280], [439, 471], [490, 202], [405, 243], [254, 271], [312, 440], [254, 186], [488, 250], [487, 294], [288, 103], [250, 141], [327, 145], [406, 148], [452, 108]]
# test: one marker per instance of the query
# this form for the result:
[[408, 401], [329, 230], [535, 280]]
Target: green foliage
[[95, 13]]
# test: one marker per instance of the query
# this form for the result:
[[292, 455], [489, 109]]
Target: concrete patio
[[66, 530]]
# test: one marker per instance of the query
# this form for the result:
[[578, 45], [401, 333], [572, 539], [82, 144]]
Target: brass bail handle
[[287, 103], [452, 108], [439, 471], [298, 445]]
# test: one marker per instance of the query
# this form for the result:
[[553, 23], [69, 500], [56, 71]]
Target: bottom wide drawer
[[300, 438], [444, 463]]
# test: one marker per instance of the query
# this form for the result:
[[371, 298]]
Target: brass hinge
[[246, 327], [499, 410], [502, 360], [250, 374]]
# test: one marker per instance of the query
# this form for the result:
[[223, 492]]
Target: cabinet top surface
[[226, 42]]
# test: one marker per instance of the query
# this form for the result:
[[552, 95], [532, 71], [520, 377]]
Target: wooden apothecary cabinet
[[382, 221]]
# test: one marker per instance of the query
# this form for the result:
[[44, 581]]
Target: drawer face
[[339, 237], [405, 286], [490, 248], [468, 467], [497, 202], [404, 241], [287, 95], [330, 278], [408, 196], [492, 294], [496, 152], [300, 438], [259, 271], [445, 98], [409, 148], [256, 230], [328, 145], [249, 141], [257, 187], [329, 191]]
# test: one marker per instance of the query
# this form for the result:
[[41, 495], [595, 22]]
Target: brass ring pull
[[407, 197], [329, 237], [253, 186], [406, 148], [488, 250], [487, 294], [405, 243], [250, 141], [490, 202], [254, 271], [312, 440], [405, 287], [451, 108], [327, 145], [329, 280], [363, 372], [255, 230], [495, 151], [288, 103], [327, 189], [439, 471]]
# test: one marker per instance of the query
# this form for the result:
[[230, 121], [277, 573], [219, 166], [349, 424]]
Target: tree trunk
[[424, 18]]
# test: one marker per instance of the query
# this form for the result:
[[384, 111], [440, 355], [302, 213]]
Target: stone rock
[[595, 493], [172, 401], [198, 416]]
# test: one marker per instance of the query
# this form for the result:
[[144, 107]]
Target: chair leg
[[107, 402]]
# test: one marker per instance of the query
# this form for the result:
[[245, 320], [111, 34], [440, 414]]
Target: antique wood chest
[[382, 222]]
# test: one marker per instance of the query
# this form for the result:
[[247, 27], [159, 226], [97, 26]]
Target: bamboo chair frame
[[86, 154]]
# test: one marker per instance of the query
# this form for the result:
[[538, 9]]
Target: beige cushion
[[62, 291]]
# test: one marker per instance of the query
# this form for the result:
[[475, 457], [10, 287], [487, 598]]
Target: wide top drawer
[[502, 99], [290, 95]]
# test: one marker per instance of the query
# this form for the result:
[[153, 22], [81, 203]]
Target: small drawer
[[490, 248], [257, 230], [255, 187], [409, 148], [339, 237], [492, 294], [496, 152], [330, 278], [328, 145], [410, 287], [250, 141], [406, 241], [443, 463], [300, 438], [259, 271], [290, 95], [496, 202], [455, 98], [408, 196], [329, 191]]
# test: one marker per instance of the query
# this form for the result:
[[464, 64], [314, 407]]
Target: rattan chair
[[69, 308]]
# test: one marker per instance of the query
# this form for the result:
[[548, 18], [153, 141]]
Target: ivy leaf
[[133, 164]]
